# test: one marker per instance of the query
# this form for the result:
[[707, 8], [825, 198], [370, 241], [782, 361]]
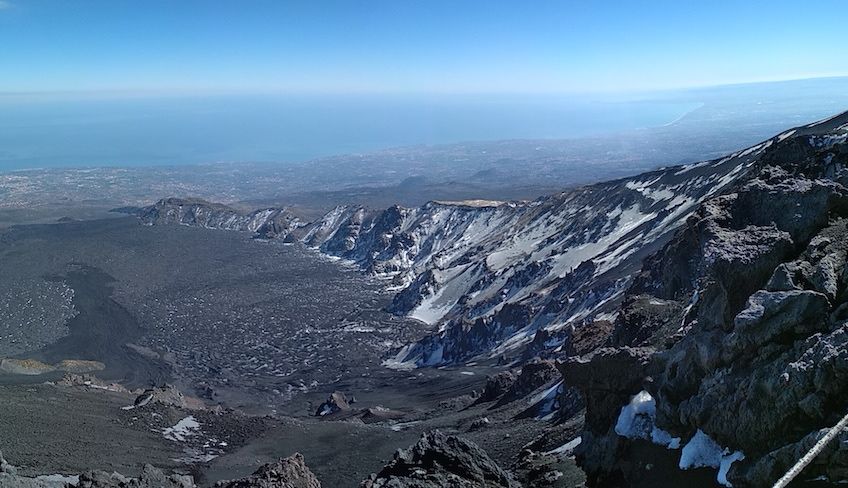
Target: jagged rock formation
[[437, 461], [746, 309], [290, 472]]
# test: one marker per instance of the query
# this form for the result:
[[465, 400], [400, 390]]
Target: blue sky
[[406, 46]]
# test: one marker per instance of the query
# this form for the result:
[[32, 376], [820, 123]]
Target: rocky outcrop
[[746, 307], [290, 472], [9, 478], [31, 367], [496, 386], [533, 375], [336, 402], [439, 460]]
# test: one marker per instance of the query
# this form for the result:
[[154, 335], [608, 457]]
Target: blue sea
[[56, 131]]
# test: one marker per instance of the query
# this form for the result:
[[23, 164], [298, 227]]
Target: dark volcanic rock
[[757, 359], [533, 376], [607, 378], [151, 477], [496, 386], [438, 461], [290, 472], [336, 402]]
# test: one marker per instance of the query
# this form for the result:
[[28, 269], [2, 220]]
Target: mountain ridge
[[495, 274]]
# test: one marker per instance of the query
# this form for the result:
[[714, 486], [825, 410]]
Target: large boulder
[[607, 379], [336, 402]]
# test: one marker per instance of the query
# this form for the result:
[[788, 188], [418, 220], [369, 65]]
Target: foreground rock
[[290, 472], [9, 477], [439, 460], [151, 477]]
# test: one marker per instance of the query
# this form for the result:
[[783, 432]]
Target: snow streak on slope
[[492, 275]]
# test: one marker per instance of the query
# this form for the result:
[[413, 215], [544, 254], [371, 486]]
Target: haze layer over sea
[[54, 131]]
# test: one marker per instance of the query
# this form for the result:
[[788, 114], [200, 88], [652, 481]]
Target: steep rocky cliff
[[731, 349]]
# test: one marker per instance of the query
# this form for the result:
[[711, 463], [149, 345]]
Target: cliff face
[[265, 223], [741, 328]]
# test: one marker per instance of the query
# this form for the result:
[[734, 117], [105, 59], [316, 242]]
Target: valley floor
[[261, 331]]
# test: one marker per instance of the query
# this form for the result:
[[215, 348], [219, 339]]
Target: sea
[[46, 131]]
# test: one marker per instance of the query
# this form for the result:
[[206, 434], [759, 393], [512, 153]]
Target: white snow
[[700, 452], [567, 447], [785, 135], [726, 462], [637, 421], [636, 418], [435, 357], [401, 361], [703, 452], [401, 426], [186, 427], [547, 401]]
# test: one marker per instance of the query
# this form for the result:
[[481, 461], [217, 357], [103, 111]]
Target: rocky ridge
[[730, 351], [494, 275]]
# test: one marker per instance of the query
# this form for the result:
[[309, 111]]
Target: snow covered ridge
[[493, 274]]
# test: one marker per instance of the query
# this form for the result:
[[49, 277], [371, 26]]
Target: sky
[[409, 46]]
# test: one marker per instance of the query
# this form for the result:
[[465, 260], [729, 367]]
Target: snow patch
[[703, 452], [402, 360], [637, 421], [566, 448], [547, 401], [186, 427]]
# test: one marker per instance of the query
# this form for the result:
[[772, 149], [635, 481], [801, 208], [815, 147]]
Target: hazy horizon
[[42, 132]]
